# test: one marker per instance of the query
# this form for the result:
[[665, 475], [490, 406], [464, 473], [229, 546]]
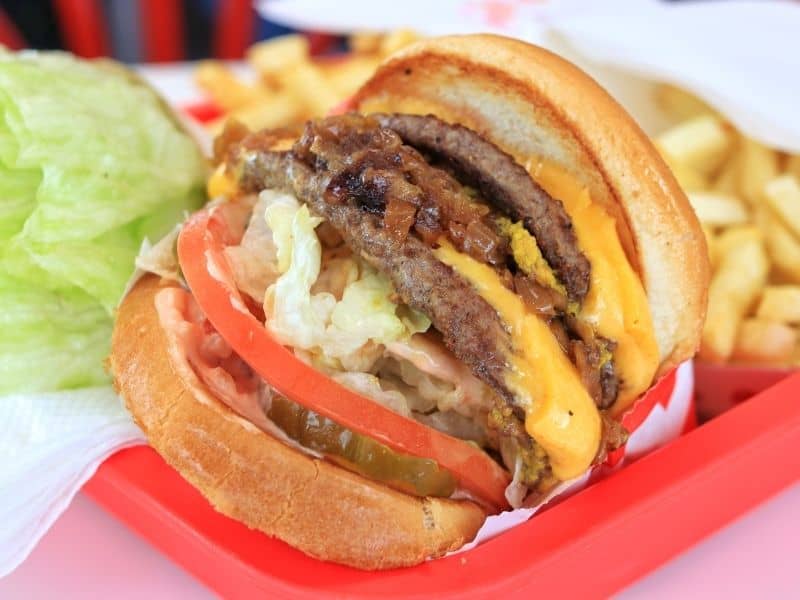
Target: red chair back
[[84, 30]]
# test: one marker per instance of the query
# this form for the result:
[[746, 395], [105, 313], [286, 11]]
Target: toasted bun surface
[[315, 506], [531, 103]]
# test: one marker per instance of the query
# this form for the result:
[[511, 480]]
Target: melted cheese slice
[[559, 413], [616, 306], [221, 184]]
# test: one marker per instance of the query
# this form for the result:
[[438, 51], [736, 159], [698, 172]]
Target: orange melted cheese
[[616, 306], [221, 184], [559, 413]]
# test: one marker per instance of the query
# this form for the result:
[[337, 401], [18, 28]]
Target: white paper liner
[[662, 425]]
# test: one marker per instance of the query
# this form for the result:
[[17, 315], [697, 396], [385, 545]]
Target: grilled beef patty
[[506, 184]]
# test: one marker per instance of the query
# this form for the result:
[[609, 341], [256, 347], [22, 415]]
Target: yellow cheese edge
[[560, 414], [221, 184], [616, 306]]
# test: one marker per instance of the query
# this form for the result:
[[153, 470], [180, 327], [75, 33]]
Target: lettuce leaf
[[350, 330], [50, 340], [91, 163]]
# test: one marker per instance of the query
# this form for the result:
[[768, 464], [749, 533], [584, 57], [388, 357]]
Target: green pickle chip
[[359, 453]]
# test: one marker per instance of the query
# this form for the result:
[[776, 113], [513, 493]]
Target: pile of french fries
[[747, 197], [291, 86]]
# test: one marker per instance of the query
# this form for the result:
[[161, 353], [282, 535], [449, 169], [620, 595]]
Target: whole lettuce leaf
[[50, 340], [91, 162]]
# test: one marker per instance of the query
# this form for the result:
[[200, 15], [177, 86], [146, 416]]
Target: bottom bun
[[246, 474]]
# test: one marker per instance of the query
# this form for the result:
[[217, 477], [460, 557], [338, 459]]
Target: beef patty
[[470, 327], [505, 183]]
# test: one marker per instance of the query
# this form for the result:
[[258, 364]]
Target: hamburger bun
[[528, 102], [532, 103], [246, 474]]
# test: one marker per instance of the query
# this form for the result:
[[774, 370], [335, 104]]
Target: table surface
[[88, 553]]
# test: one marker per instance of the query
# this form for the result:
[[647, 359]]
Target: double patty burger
[[416, 313]]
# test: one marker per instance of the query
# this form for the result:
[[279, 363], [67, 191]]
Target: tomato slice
[[208, 274]]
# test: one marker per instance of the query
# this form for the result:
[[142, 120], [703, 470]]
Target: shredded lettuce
[[370, 386], [349, 330], [91, 163]]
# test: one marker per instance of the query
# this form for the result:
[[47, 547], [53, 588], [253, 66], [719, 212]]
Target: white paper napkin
[[50, 444], [660, 427]]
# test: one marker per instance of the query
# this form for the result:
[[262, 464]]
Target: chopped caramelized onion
[[399, 217], [483, 243], [614, 435], [328, 235], [560, 333], [376, 172], [587, 368], [457, 233], [544, 301], [233, 133]]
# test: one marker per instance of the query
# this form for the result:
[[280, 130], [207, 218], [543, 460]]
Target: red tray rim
[[638, 517]]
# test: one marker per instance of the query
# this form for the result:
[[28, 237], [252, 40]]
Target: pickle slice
[[360, 454]]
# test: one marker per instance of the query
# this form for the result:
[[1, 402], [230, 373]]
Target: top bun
[[531, 103]]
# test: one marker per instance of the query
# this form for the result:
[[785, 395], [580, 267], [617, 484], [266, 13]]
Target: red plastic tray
[[589, 545], [721, 387]]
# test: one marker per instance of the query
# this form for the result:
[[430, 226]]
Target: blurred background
[[142, 30], [139, 31]]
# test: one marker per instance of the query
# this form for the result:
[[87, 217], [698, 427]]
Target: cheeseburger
[[429, 308]]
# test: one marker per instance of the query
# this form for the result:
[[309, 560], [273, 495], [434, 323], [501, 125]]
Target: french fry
[[727, 180], [793, 165], [365, 42], [346, 76], [307, 87], [718, 210], [680, 104], [291, 86], [783, 249], [279, 54], [780, 303], [783, 197], [397, 39], [762, 341], [708, 232], [274, 111], [702, 142], [224, 88], [758, 164], [747, 198], [690, 179], [734, 288], [733, 237]]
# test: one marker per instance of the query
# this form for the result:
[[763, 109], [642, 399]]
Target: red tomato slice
[[200, 252]]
